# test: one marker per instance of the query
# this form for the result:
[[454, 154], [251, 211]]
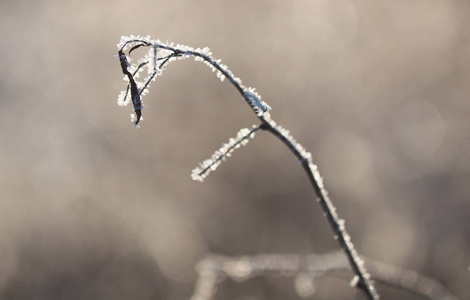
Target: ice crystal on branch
[[259, 106]]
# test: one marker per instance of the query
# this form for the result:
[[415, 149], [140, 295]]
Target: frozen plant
[[159, 54]]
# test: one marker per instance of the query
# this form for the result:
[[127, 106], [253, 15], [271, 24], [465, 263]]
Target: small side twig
[[242, 138]]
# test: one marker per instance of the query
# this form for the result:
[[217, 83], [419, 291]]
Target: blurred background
[[91, 208]]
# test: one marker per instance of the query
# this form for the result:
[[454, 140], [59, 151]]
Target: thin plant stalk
[[261, 109]]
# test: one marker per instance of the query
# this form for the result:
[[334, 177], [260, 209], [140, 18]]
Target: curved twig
[[261, 109]]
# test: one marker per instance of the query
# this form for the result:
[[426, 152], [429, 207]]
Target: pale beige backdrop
[[91, 208]]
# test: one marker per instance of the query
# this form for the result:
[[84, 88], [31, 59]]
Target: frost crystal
[[151, 58], [134, 120], [243, 136], [220, 75], [123, 98], [259, 106], [297, 147]]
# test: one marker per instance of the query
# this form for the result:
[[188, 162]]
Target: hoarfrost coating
[[243, 137], [155, 60]]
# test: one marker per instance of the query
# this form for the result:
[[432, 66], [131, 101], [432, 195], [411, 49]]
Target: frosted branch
[[160, 55], [243, 137], [156, 59]]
